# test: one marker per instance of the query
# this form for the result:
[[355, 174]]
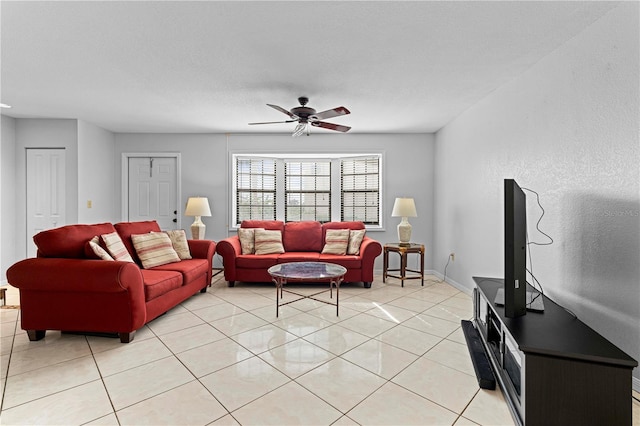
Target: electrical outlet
[[452, 255]]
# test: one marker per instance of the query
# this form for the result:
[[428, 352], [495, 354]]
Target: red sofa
[[64, 289], [303, 242]]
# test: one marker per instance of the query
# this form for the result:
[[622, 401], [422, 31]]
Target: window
[[360, 194], [255, 189], [299, 187], [307, 190]]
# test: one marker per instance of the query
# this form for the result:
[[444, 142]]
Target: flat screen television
[[515, 250]]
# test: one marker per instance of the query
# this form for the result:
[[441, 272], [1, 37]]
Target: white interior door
[[153, 190], [45, 192]]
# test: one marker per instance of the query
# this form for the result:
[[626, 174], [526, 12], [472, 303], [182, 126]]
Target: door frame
[[124, 212]]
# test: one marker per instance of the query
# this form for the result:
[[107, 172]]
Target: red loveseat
[[303, 242], [64, 289]]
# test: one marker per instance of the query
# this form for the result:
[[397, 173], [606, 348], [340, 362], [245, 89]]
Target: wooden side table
[[403, 251]]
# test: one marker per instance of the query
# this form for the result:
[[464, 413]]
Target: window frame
[[336, 181]]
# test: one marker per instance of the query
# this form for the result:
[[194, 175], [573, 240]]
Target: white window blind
[[307, 190], [255, 189], [360, 193]]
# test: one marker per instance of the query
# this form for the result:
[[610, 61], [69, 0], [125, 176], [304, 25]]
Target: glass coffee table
[[307, 272]]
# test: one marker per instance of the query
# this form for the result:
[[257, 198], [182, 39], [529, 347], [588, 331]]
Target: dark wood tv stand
[[553, 369]]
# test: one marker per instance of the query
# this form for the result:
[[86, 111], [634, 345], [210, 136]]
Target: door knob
[[175, 220], [175, 212]]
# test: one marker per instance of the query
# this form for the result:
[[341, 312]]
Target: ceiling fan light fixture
[[299, 130]]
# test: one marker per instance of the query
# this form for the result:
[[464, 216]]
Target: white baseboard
[[454, 283]]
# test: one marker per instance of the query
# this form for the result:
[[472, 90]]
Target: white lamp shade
[[197, 206], [404, 207]]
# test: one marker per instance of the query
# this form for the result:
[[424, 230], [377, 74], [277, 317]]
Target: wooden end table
[[403, 250]]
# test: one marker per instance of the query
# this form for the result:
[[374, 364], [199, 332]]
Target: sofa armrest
[[203, 249], [369, 250], [229, 249], [76, 275]]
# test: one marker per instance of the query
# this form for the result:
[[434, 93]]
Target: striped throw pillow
[[178, 239], [336, 241], [247, 239], [94, 245], [154, 249], [355, 239], [116, 247], [268, 242]]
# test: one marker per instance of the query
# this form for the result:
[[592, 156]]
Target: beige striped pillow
[[355, 240], [97, 250], [268, 242], [116, 247], [336, 241], [154, 249], [247, 240], [178, 239]]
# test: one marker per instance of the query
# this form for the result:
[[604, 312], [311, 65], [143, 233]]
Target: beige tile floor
[[394, 356]]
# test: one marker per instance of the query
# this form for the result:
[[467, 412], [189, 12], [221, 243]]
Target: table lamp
[[198, 207], [404, 207]]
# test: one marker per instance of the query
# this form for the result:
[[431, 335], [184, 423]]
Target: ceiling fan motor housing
[[303, 112]]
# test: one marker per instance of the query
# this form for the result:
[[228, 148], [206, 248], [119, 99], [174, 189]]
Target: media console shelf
[[553, 369]]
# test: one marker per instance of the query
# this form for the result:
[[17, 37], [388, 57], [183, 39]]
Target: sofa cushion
[[191, 269], [273, 225], [180, 244], [68, 241], [355, 240], [154, 249], [302, 236], [96, 251], [268, 242], [115, 247], [349, 262], [126, 229], [336, 241], [251, 261], [298, 256], [157, 283]]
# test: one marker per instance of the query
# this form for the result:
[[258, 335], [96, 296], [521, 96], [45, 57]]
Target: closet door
[[46, 195]]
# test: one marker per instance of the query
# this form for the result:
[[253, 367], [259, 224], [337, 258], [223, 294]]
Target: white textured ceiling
[[212, 66]]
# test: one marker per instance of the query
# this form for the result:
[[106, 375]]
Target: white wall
[[203, 170], [567, 128], [7, 196], [96, 175], [408, 169]]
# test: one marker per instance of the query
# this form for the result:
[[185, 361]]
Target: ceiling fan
[[306, 116]]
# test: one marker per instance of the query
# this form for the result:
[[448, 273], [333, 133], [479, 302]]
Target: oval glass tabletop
[[307, 271]]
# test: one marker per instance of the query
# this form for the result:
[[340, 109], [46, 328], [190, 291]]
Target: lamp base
[[198, 229], [404, 232]]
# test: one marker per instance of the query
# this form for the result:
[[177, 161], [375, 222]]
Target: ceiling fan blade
[[331, 113], [274, 122], [282, 110], [330, 126]]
